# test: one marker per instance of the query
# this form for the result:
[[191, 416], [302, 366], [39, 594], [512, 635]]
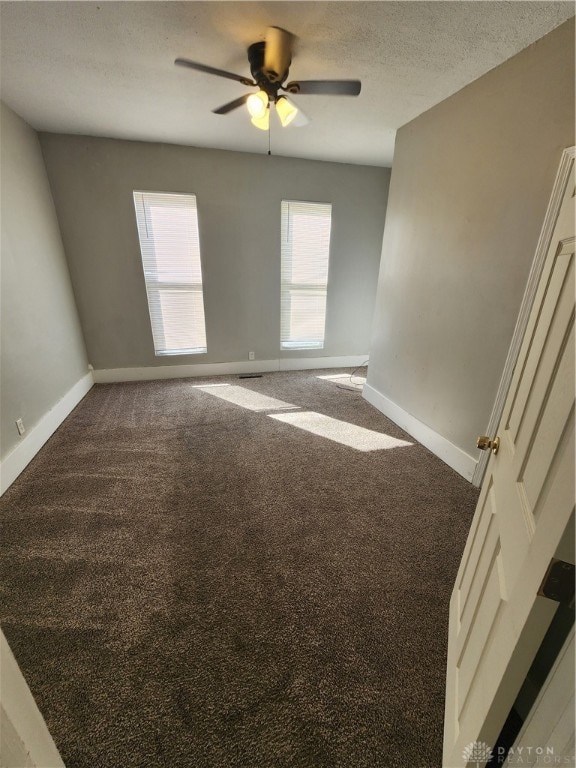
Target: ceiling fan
[[269, 64]]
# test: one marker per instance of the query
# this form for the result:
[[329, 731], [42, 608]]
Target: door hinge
[[558, 583]]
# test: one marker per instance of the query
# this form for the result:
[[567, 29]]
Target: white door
[[551, 720], [497, 621]]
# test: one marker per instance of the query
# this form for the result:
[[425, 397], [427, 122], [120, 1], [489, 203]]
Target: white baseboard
[[455, 457], [310, 363], [20, 456], [111, 375]]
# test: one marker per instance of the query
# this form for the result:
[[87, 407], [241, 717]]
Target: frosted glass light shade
[[257, 104], [262, 122], [287, 111]]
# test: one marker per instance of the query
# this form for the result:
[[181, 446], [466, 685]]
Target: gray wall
[[43, 353], [238, 199], [470, 185]]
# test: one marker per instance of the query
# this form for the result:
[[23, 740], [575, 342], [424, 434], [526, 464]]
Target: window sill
[[181, 352]]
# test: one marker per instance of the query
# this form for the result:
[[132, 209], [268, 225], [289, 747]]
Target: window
[[170, 247], [305, 250]]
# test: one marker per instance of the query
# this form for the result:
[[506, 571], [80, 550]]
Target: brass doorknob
[[485, 444]]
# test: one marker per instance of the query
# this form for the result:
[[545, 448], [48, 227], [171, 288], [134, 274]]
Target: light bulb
[[287, 111], [262, 122], [257, 104]]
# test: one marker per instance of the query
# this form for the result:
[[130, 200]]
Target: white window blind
[[304, 273], [170, 247]]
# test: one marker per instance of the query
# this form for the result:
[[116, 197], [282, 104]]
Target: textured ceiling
[[106, 68]]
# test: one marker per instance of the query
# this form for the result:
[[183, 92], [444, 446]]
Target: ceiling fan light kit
[[258, 105], [269, 64], [262, 122]]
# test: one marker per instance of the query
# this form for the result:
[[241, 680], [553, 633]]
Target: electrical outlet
[[250, 355], [20, 426]]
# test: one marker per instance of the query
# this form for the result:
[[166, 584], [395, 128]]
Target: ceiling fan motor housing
[[269, 82]]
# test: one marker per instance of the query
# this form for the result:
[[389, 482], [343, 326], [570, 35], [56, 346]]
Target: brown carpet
[[188, 581]]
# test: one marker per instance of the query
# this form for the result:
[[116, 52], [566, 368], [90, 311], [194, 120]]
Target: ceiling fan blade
[[277, 53], [325, 87], [225, 108], [213, 71]]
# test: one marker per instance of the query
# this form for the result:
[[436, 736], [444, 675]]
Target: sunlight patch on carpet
[[354, 382], [246, 398], [351, 435]]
